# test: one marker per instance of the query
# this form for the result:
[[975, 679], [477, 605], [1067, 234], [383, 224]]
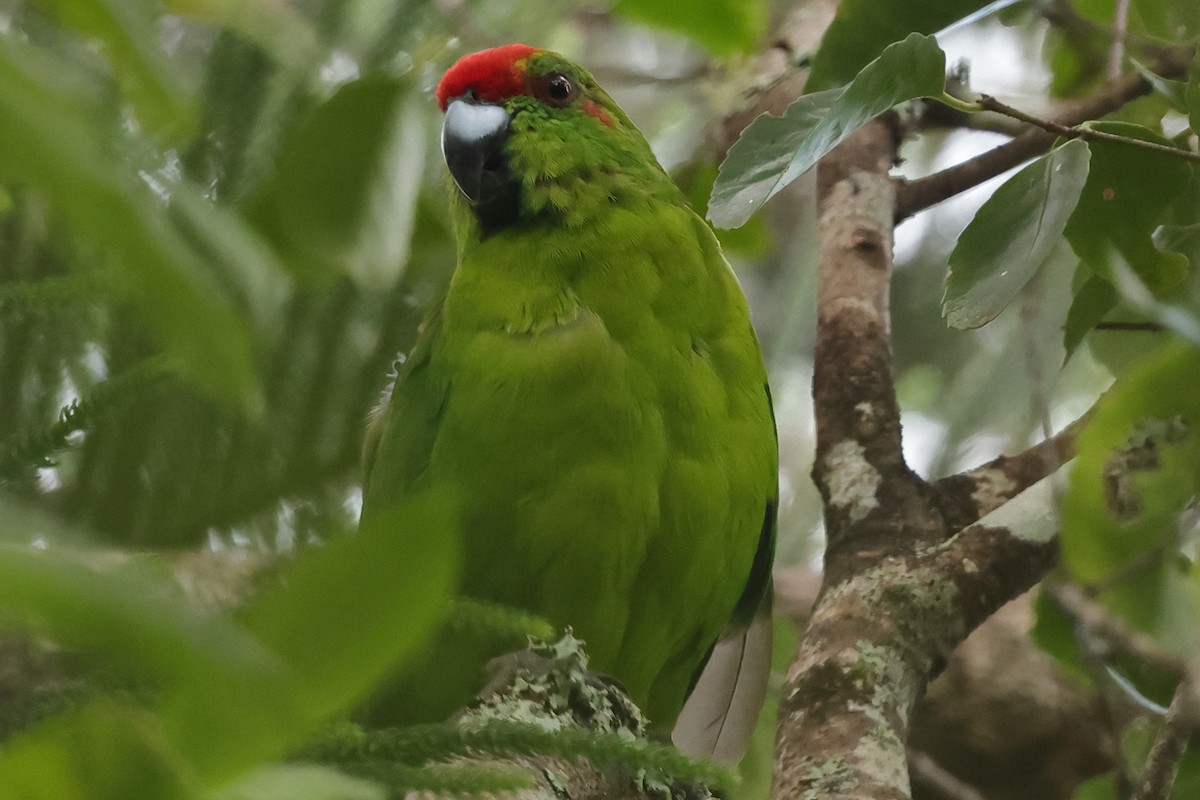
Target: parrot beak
[[473, 135]]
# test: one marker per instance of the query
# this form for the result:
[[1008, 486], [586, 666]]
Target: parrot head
[[526, 132]]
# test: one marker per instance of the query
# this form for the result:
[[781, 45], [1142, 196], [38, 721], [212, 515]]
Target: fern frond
[[497, 624], [648, 762], [25, 452], [462, 780]]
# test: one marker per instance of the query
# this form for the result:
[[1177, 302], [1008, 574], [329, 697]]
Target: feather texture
[[722, 711], [591, 383]]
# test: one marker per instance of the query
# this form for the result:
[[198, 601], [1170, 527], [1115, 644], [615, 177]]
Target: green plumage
[[591, 384]]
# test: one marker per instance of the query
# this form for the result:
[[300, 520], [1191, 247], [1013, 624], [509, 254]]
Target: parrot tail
[[721, 713]]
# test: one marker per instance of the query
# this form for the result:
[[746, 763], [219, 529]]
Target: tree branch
[[904, 581], [1006, 552], [1116, 52], [833, 736], [878, 635], [858, 451], [920, 194], [989, 103], [1169, 746], [965, 497]]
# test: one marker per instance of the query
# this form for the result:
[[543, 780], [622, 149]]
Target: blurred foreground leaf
[[1138, 465], [129, 37], [300, 782], [1092, 302], [348, 613], [343, 197], [229, 696], [723, 26], [105, 752]]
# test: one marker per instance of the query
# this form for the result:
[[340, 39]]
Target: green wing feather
[[415, 399]]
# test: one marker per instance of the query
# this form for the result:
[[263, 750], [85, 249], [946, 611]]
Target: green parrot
[[592, 386]]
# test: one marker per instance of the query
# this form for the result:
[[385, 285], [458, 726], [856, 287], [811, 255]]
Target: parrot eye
[[558, 91]]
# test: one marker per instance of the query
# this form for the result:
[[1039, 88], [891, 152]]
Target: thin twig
[[1169, 746], [920, 194], [1114, 631], [989, 103], [1116, 51], [939, 779], [938, 115]]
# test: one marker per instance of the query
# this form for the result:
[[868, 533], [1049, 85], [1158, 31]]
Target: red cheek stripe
[[591, 107]]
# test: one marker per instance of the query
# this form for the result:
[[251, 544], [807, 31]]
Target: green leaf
[[279, 29], [219, 688], [1174, 92], [1165, 19], [1137, 461], [1183, 238], [300, 782], [369, 599], [1187, 780], [133, 615], [128, 35], [863, 28], [773, 152], [248, 105], [1135, 741], [1078, 53], [762, 154], [1138, 464], [1127, 194], [53, 142], [723, 26], [1076, 59], [247, 266], [1056, 632], [234, 695], [751, 241], [1012, 234], [344, 196], [1127, 299], [104, 752], [1103, 787], [1095, 298]]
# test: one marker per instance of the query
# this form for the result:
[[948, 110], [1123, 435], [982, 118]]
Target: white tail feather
[[720, 714]]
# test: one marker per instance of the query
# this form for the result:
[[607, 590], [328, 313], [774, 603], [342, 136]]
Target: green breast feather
[[592, 385]]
